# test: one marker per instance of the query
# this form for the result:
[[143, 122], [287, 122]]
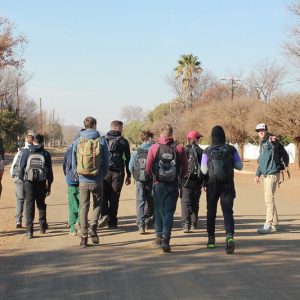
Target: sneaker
[[194, 226], [157, 242], [149, 223], [264, 230], [142, 229], [274, 228], [84, 240], [18, 225], [93, 234], [229, 244], [165, 245], [29, 235], [114, 226], [77, 228], [72, 231], [186, 228], [211, 243], [103, 221]]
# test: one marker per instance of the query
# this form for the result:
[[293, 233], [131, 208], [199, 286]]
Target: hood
[[113, 133], [90, 134], [165, 140], [218, 135], [146, 145], [36, 148]]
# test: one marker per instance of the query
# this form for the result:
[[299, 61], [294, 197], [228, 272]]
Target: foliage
[[132, 131]]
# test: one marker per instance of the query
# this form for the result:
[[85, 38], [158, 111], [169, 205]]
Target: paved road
[[125, 265]]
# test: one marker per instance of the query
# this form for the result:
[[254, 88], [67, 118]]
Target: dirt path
[[125, 265]]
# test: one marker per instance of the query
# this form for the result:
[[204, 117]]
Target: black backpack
[[193, 161], [139, 166], [115, 152], [220, 163], [166, 163]]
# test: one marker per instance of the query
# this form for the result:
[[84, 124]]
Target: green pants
[[74, 214]]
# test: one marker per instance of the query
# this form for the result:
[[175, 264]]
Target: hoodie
[[92, 134], [180, 152]]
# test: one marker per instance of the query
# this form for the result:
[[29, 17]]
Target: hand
[[48, 190], [256, 179], [204, 188], [127, 180]]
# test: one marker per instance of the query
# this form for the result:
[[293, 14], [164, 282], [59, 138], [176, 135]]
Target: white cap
[[261, 126]]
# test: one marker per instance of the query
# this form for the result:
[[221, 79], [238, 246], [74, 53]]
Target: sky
[[95, 57]]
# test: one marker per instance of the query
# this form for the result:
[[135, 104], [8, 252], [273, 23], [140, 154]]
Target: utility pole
[[41, 117], [18, 110], [233, 81]]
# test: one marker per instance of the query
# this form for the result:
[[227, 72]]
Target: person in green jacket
[[271, 158]]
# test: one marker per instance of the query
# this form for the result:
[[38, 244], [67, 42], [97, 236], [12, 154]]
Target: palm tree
[[187, 71]]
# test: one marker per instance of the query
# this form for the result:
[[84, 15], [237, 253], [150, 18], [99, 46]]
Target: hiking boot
[[84, 240], [211, 243], [186, 228], [264, 230], [18, 225], [157, 242], [93, 234], [229, 244], [29, 235], [103, 221], [165, 245], [141, 229]]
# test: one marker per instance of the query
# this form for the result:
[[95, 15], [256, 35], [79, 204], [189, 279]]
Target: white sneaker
[[264, 230], [274, 228]]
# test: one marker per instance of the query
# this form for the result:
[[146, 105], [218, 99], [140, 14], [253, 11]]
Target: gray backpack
[[35, 170]]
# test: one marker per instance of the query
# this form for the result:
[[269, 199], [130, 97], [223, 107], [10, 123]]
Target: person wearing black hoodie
[[37, 189], [219, 161]]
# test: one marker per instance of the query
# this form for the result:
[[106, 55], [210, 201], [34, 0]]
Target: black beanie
[[218, 135]]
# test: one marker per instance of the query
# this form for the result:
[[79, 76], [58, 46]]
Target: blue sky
[[93, 57]]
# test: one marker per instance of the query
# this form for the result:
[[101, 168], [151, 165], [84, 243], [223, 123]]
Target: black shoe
[[166, 245], [157, 242], [113, 226], [103, 221], [211, 243], [19, 225], [84, 240], [149, 222], [229, 244], [29, 235], [93, 234], [141, 229], [186, 228]]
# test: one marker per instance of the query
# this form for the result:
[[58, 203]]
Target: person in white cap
[[272, 155]]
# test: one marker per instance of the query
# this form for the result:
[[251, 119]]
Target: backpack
[[88, 156], [115, 152], [35, 170], [193, 162], [220, 163], [16, 167], [70, 172], [139, 165], [166, 166]]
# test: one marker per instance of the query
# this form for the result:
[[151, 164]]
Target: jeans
[[270, 184], [165, 199], [96, 189], [35, 192], [74, 212], [226, 193], [20, 199], [112, 186], [144, 201], [190, 198]]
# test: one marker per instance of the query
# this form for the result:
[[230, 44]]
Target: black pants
[[35, 192], [112, 186], [190, 197], [226, 193]]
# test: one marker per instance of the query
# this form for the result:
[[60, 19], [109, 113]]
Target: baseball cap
[[261, 126], [194, 135]]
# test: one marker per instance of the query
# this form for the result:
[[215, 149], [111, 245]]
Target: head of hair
[[116, 125], [166, 129], [39, 139], [30, 139], [89, 122], [146, 135]]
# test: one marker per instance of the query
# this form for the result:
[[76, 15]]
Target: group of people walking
[[163, 171]]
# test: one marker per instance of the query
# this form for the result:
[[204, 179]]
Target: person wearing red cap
[[190, 191]]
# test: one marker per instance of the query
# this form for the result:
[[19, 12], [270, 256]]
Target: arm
[[11, 171], [74, 155], [127, 158], [183, 160], [131, 162], [151, 158], [48, 162], [204, 164], [104, 158], [237, 162]]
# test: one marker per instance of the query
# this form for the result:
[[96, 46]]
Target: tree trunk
[[297, 156], [241, 151]]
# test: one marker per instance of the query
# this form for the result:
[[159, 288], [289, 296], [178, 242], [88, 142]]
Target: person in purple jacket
[[218, 162]]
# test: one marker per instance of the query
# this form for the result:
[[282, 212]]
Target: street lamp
[[233, 81]]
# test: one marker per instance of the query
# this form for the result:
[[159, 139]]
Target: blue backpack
[[68, 170]]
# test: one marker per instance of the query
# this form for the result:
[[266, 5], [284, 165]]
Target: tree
[[292, 46], [132, 131], [187, 72], [10, 46], [266, 80], [132, 113]]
